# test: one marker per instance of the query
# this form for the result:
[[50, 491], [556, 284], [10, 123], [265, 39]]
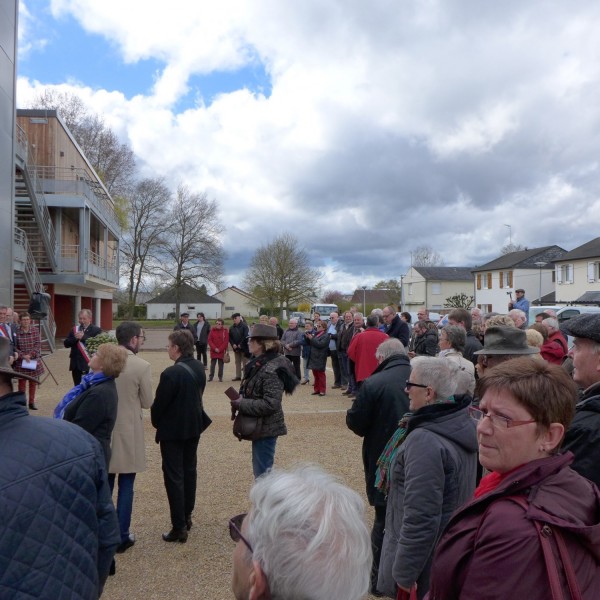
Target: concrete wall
[[8, 59]]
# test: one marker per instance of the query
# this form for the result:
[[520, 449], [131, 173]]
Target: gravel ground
[[201, 568]]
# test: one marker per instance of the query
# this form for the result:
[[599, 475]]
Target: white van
[[536, 310], [324, 310], [568, 312]]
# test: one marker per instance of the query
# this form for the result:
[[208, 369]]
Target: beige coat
[[134, 387]]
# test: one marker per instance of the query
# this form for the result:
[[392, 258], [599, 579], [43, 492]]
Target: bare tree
[[147, 223], [461, 300], [332, 297], [192, 247], [113, 161], [425, 256], [280, 274], [510, 247]]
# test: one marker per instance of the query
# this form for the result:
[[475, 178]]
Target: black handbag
[[247, 427]]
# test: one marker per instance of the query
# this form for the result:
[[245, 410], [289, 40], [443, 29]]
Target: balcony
[[94, 265]]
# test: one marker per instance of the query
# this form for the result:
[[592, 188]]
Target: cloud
[[386, 125]]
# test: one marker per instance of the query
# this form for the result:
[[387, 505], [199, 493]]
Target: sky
[[365, 129]]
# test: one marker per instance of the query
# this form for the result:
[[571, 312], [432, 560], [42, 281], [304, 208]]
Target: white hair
[[439, 373], [516, 312], [391, 347], [550, 322], [309, 535]]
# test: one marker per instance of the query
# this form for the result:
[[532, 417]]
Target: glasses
[[235, 526], [410, 384], [141, 337], [497, 420]]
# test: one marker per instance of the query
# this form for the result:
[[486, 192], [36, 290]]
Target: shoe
[[33, 407], [336, 387], [315, 394], [321, 393], [126, 544], [188, 522], [113, 568], [236, 379], [221, 379], [346, 393], [376, 593], [210, 378], [304, 382], [176, 535], [205, 368]]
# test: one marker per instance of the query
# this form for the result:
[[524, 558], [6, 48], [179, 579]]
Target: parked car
[[536, 310], [299, 316], [568, 312], [433, 316]]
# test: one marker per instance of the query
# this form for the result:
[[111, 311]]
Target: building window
[[436, 289], [487, 281], [501, 279], [564, 274], [230, 308], [509, 279], [410, 289], [593, 272]]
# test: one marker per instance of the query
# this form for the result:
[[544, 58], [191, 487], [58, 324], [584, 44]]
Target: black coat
[[177, 410], [319, 351], [473, 345], [76, 360], [95, 410], [189, 327], [380, 404], [427, 344], [238, 335], [399, 329], [203, 339]]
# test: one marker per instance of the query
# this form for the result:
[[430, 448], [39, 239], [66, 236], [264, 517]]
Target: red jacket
[[491, 548], [555, 348], [218, 339], [362, 351]]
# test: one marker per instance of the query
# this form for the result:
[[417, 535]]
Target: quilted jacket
[[58, 527]]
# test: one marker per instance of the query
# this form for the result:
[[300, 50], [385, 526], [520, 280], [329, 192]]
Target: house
[[430, 286], [236, 300], [577, 275], [374, 298], [531, 269], [191, 300]]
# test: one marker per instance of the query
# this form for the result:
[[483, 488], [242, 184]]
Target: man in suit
[[78, 358], [134, 387], [7, 330]]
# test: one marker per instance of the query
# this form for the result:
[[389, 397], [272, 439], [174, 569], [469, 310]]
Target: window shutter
[[559, 274], [591, 272], [501, 279], [510, 279], [489, 281], [478, 281], [570, 273]]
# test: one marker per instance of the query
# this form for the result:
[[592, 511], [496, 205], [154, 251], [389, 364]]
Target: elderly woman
[[503, 541], [433, 460], [317, 361], [29, 351], [266, 377], [218, 340], [93, 403]]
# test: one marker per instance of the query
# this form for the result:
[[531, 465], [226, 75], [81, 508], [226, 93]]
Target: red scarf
[[492, 481]]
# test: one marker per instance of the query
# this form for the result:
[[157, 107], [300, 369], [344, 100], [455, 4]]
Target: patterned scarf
[[87, 381], [384, 462]]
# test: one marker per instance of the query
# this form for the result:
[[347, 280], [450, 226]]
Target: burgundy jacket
[[554, 348], [491, 549], [362, 351]]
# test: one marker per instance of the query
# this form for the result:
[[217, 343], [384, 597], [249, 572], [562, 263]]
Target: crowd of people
[[480, 452]]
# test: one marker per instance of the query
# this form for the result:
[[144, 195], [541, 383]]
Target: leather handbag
[[247, 427], [226, 357]]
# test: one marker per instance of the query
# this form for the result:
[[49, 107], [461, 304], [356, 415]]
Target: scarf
[[384, 462], [491, 481], [87, 381]]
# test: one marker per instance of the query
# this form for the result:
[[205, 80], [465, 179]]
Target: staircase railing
[[33, 283]]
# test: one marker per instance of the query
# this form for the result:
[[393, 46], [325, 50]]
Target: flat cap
[[584, 326], [185, 314]]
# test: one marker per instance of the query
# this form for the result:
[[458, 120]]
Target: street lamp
[[540, 265], [364, 288]]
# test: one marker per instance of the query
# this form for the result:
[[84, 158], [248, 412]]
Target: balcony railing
[[94, 264]]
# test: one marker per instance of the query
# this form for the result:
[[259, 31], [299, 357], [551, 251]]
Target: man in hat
[[502, 344], [521, 302], [59, 530], [583, 437], [238, 338], [184, 323]]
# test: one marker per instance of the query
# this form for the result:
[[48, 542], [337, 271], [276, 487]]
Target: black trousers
[[201, 352], [377, 542], [295, 360], [337, 368], [77, 375], [179, 461]]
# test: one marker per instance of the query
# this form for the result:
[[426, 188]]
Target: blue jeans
[[263, 455], [124, 500]]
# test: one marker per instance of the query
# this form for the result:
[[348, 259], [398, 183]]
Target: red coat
[[491, 548], [362, 351], [555, 348], [218, 339]]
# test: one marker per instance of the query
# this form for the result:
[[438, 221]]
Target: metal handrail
[[33, 283]]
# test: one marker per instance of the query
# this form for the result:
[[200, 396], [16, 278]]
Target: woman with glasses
[[532, 528], [29, 349], [432, 461]]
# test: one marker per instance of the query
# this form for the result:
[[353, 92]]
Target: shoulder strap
[[190, 371], [545, 532]]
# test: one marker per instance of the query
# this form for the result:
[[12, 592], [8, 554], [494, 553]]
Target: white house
[[190, 300], [578, 275], [236, 300], [431, 286], [529, 269]]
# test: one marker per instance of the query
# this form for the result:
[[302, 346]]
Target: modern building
[[531, 269], [577, 275], [431, 286]]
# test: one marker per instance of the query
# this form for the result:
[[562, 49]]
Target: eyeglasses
[[410, 384], [235, 526], [141, 337], [497, 420]]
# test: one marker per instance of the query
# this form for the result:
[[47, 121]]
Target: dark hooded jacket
[[380, 404], [583, 436], [399, 329], [432, 475], [491, 548]]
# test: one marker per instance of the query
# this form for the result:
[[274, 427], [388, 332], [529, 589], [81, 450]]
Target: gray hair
[[457, 336], [372, 321], [358, 314], [550, 322], [438, 373], [293, 320], [516, 312], [309, 535], [391, 347], [85, 311], [377, 311]]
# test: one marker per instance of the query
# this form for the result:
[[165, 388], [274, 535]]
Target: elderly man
[[424, 341], [519, 317], [291, 340], [462, 317], [555, 347], [362, 349], [375, 413], [343, 341], [521, 302], [184, 324], [275, 323], [333, 329], [238, 338], [583, 437], [128, 456], [7, 330], [78, 357], [395, 326], [58, 531], [303, 537]]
